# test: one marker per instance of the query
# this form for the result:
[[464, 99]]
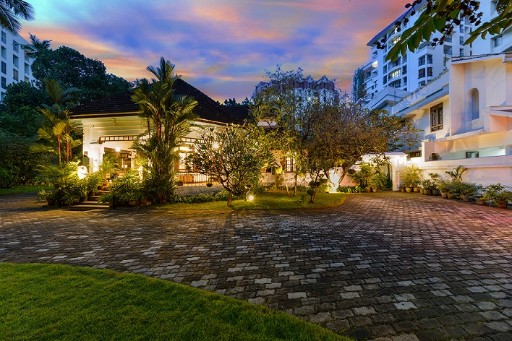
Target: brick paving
[[384, 266]]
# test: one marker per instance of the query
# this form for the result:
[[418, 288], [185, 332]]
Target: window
[[27, 69], [385, 68], [4, 53], [429, 71], [4, 37], [405, 81], [422, 83], [404, 70], [461, 40], [15, 46], [429, 59], [290, 165], [421, 61], [436, 117], [4, 68], [15, 60], [497, 41], [395, 74], [385, 79], [421, 73], [447, 50], [475, 104], [4, 82], [15, 74], [461, 52]]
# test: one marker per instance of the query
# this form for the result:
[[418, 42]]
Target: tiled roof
[[206, 109]]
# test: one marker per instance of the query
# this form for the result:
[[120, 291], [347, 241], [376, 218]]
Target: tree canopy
[[71, 69], [442, 16], [11, 11]]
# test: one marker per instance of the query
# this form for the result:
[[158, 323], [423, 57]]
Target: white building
[[379, 83], [324, 89], [466, 118], [15, 65]]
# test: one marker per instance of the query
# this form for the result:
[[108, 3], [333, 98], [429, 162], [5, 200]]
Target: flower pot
[[436, 192], [416, 189], [466, 198], [451, 195], [444, 194], [501, 204], [480, 201], [408, 189], [427, 191]]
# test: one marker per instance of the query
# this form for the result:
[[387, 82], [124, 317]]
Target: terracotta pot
[[408, 189], [416, 189], [501, 204]]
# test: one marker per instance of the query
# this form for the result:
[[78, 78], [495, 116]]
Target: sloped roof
[[122, 104]]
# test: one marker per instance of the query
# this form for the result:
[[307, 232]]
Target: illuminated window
[[290, 165], [436, 117]]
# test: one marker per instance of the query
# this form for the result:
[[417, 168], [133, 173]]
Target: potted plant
[[443, 186], [427, 185], [454, 188], [209, 184], [411, 177], [467, 191], [497, 195]]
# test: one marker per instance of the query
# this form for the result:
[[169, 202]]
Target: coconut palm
[[36, 46], [168, 117], [11, 11]]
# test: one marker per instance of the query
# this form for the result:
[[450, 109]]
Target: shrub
[[411, 176], [202, 197], [497, 194], [124, 190], [64, 186]]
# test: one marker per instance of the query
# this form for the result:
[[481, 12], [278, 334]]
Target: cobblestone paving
[[385, 266]]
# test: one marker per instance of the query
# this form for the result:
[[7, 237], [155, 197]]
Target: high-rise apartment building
[[381, 83], [15, 65]]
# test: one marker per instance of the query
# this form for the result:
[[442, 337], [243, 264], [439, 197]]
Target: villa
[[111, 125]]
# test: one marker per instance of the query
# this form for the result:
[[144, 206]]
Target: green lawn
[[20, 189], [278, 200], [50, 302]]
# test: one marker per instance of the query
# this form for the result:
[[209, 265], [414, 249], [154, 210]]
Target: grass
[[20, 189], [277, 200], [49, 302]]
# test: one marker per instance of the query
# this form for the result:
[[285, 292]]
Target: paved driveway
[[390, 265]]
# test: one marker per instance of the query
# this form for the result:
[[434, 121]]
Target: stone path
[[386, 266]]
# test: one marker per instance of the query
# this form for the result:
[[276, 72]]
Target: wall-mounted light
[[118, 149]]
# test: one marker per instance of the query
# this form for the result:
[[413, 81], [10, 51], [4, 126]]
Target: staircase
[[92, 203]]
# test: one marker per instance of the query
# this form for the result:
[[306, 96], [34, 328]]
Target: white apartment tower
[[15, 65], [381, 83]]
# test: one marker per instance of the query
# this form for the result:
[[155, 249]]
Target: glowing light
[[215, 145], [250, 197], [118, 149]]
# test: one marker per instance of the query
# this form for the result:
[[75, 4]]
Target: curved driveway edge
[[392, 266]]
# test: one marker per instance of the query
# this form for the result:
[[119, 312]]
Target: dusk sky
[[222, 47]]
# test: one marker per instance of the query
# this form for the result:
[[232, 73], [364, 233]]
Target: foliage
[[62, 302], [364, 175], [17, 166], [234, 155], [124, 190], [202, 197], [468, 189], [168, 116], [58, 134], [441, 17], [496, 194], [71, 69], [269, 200], [410, 176], [349, 189], [11, 11], [456, 174], [65, 188]]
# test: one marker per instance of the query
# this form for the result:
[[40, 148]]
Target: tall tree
[[36, 46], [442, 17], [234, 155], [71, 69], [11, 11], [168, 116]]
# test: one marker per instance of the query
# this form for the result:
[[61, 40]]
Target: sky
[[222, 47]]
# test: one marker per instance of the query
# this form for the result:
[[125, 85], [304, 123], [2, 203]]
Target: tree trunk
[[230, 199], [295, 180]]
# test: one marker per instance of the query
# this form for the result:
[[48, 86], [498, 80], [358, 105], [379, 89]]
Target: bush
[[349, 189], [410, 176], [497, 194], [202, 197], [64, 186], [124, 190]]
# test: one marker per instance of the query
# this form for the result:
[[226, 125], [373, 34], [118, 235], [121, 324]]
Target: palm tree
[[168, 117], [36, 46], [11, 11]]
